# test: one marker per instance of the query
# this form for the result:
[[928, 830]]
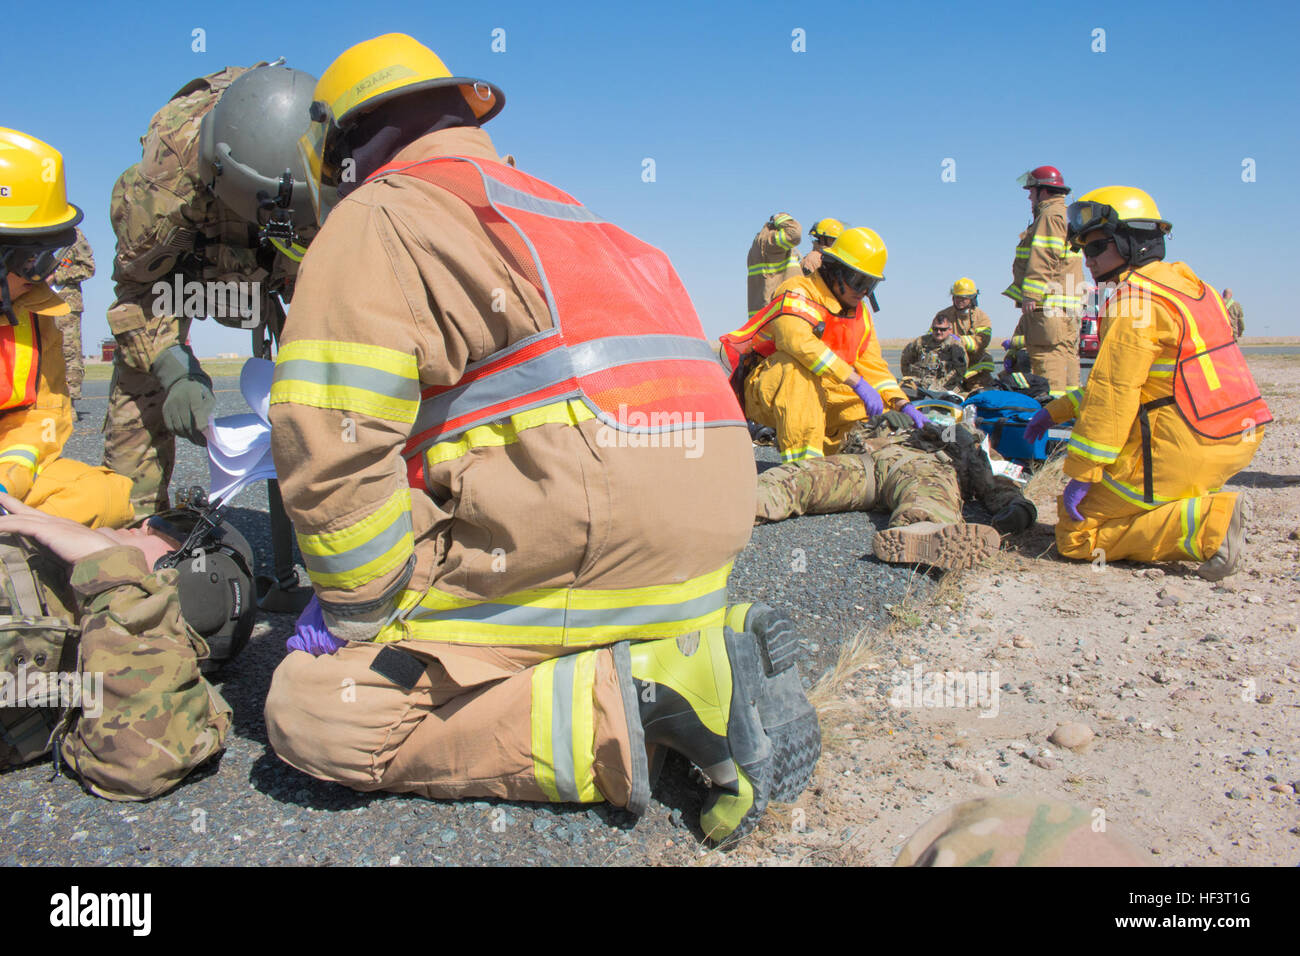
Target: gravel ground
[[253, 809]]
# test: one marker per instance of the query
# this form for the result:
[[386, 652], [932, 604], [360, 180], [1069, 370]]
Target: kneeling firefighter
[[528, 595], [1170, 411], [809, 364]]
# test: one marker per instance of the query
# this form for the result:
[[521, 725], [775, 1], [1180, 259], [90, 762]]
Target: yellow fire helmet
[[1106, 208], [366, 75], [964, 286], [827, 230], [33, 196], [862, 250]]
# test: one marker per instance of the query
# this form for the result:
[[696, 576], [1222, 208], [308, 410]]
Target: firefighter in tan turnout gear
[[773, 259], [527, 594], [1047, 284]]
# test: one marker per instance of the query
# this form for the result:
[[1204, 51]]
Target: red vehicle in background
[[1089, 339]]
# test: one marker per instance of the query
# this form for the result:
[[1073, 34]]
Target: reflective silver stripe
[[350, 376], [523, 615], [550, 368], [499, 192], [566, 784], [19, 453], [348, 561]]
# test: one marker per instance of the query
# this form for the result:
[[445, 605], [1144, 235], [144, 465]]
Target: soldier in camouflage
[[76, 266], [1028, 830], [920, 477], [101, 651], [189, 212], [935, 361]]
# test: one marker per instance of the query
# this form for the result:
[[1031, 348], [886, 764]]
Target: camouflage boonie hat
[[1019, 830]]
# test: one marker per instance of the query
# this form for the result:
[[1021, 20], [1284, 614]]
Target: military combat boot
[[1224, 561], [945, 546], [789, 720], [697, 695]]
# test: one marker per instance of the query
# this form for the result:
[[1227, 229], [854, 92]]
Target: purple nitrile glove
[[1006, 343], [310, 633], [1038, 426], [917, 418], [1009, 363], [870, 398], [1073, 495]]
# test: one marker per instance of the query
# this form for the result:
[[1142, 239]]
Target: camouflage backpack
[[38, 642], [129, 711]]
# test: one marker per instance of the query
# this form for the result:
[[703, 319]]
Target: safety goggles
[[859, 282], [1084, 217]]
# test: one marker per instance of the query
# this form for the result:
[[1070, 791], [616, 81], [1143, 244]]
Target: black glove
[[189, 403], [1016, 517]]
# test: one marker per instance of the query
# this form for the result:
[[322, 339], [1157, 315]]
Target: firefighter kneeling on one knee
[[1170, 412]]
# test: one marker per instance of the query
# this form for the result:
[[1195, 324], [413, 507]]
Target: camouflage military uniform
[[77, 266], [1018, 831], [928, 364], [1237, 317], [913, 474], [156, 719], [169, 228]]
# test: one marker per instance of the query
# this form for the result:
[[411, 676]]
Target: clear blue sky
[[741, 126]]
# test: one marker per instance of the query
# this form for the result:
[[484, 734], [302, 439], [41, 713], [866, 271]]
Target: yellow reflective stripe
[[1198, 343], [294, 252], [1034, 288], [1190, 519], [884, 384], [1013, 291], [793, 303], [25, 455], [584, 727], [1049, 242], [1075, 397], [1134, 495], [825, 359], [771, 268], [563, 616], [348, 376], [499, 434], [1017, 342], [799, 454], [542, 704], [783, 241], [361, 552], [23, 354], [1161, 370], [1092, 450]]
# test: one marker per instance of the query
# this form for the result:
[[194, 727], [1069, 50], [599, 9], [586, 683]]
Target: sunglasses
[[1095, 248]]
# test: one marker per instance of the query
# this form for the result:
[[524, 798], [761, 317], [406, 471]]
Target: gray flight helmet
[[250, 138]]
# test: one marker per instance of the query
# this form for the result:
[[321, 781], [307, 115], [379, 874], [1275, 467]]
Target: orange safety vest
[[20, 361], [1213, 388], [625, 338], [845, 336]]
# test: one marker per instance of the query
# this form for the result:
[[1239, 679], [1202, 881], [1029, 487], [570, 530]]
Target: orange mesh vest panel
[[1213, 387], [625, 338], [843, 336], [20, 361]]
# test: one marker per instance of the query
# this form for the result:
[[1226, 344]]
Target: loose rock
[[1072, 735]]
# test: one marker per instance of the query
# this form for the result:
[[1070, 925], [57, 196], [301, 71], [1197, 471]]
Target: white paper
[[239, 446]]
